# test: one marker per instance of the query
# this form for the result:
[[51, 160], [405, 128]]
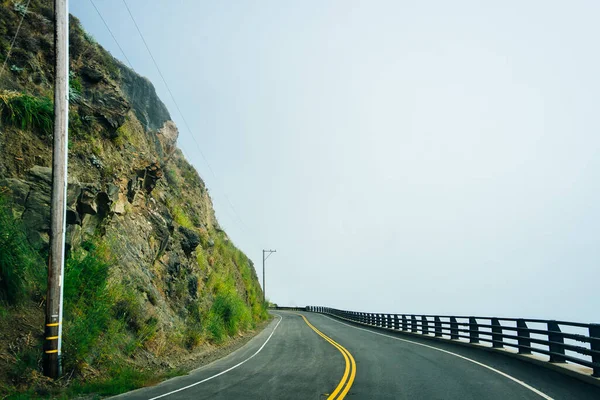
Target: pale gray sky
[[418, 157]]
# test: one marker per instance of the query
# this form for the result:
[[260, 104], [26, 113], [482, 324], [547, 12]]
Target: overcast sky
[[401, 156]]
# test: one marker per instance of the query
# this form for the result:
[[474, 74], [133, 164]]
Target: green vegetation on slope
[[27, 112], [105, 323], [22, 272], [151, 279]]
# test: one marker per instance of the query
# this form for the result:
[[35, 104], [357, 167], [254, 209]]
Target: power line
[[181, 113], [14, 38], [111, 34]]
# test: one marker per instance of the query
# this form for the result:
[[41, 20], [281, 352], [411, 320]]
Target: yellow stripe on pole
[[51, 351], [53, 324], [52, 338]]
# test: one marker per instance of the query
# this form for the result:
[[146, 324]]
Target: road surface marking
[[222, 372], [350, 365], [534, 390]]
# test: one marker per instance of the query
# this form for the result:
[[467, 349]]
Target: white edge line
[[542, 394], [222, 372]]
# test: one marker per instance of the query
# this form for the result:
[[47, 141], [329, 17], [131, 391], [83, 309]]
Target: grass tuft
[[27, 112], [228, 314]]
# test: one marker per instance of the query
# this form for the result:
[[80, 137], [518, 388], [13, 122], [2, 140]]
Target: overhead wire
[[111, 34], [237, 216], [14, 38]]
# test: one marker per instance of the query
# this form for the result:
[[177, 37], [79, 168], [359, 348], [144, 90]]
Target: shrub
[[128, 307], [75, 82], [181, 217], [229, 313], [27, 360], [193, 337], [22, 270], [172, 178], [86, 300], [27, 112], [121, 136], [201, 258]]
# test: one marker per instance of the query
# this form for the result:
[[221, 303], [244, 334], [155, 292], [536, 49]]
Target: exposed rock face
[[131, 192], [152, 174], [110, 106], [167, 136], [140, 92], [92, 74], [190, 240]]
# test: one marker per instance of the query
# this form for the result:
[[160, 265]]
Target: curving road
[[312, 356]]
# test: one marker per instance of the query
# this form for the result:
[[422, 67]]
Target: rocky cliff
[[152, 274]]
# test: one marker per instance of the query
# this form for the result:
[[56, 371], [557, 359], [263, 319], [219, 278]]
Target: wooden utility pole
[[265, 259], [56, 262]]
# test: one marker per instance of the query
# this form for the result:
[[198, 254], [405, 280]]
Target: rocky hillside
[[151, 277]]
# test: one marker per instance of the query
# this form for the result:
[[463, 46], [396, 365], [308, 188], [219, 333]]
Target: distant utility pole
[[56, 261], [265, 259]]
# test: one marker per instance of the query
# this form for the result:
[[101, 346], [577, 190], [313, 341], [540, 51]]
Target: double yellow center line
[[349, 373]]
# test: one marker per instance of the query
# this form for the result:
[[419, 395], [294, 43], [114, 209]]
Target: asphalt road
[[291, 360]]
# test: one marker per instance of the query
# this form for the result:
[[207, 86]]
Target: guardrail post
[[396, 322], [523, 333], [438, 326], [371, 319], [453, 328], [595, 346], [380, 320], [557, 341], [413, 324], [387, 320], [390, 323], [497, 334], [404, 323], [424, 326], [473, 330]]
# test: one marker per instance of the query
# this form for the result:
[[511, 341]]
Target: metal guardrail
[[528, 336]]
